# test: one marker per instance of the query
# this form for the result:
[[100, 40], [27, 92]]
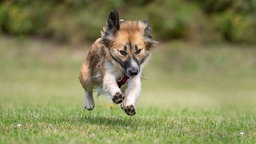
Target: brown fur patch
[[129, 36], [130, 32]]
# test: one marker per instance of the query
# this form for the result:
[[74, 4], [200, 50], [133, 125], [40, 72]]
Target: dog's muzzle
[[132, 72], [132, 67]]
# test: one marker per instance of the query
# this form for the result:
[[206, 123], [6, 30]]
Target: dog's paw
[[129, 110], [89, 104], [89, 108], [118, 98]]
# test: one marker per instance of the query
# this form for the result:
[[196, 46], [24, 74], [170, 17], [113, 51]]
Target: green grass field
[[191, 94]]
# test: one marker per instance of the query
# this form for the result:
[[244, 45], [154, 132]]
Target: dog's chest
[[111, 70]]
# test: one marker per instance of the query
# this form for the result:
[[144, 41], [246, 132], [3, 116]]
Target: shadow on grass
[[72, 116], [119, 121]]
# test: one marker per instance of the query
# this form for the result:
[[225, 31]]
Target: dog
[[116, 58]]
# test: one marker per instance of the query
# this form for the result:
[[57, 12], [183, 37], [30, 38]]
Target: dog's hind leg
[[88, 100], [86, 83]]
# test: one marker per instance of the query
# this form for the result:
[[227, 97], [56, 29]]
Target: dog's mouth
[[122, 80], [129, 73]]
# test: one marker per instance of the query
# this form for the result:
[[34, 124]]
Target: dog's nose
[[133, 71]]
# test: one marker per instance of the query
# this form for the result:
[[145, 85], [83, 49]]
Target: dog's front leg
[[111, 87], [132, 93]]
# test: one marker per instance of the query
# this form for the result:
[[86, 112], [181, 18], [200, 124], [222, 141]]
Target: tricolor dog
[[117, 58]]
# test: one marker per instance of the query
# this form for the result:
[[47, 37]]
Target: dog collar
[[122, 81]]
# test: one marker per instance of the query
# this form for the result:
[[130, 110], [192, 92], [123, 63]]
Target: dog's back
[[90, 73]]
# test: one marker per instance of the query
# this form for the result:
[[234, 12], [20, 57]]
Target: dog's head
[[129, 42]]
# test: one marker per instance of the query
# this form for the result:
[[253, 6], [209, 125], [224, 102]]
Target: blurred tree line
[[81, 20]]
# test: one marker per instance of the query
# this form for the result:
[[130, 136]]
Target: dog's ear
[[149, 41], [113, 25], [113, 21]]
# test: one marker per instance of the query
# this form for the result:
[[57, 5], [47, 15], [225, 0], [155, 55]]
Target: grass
[[190, 95], [73, 125]]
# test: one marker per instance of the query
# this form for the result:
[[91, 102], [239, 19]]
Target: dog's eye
[[123, 53], [138, 51]]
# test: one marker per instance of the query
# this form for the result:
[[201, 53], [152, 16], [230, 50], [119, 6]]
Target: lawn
[[191, 94]]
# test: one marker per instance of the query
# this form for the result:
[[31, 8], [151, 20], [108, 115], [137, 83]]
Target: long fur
[[123, 49]]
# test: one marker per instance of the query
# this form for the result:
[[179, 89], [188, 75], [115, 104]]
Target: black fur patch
[[113, 25], [107, 42], [149, 42], [113, 20], [148, 29], [127, 63], [118, 60]]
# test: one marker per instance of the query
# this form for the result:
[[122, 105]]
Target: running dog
[[115, 58]]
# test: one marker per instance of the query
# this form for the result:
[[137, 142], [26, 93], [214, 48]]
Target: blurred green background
[[81, 20], [198, 87], [206, 56]]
